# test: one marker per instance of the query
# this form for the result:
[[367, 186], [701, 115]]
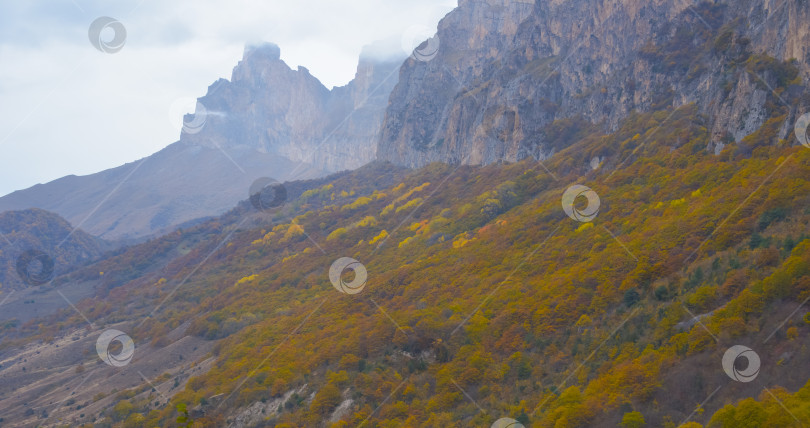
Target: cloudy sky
[[67, 108]]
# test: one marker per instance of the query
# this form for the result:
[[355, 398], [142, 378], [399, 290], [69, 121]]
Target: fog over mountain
[[266, 121]]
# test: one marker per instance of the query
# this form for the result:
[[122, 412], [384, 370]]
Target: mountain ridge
[[507, 70], [38, 237], [224, 148]]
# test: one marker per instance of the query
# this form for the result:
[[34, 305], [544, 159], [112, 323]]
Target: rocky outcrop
[[271, 108], [508, 69]]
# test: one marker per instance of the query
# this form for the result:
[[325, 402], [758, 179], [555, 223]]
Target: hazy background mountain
[[269, 120], [268, 107], [45, 233]]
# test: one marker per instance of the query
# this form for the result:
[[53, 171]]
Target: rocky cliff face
[[506, 70], [271, 108]]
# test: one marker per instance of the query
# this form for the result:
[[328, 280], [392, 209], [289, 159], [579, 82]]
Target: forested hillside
[[483, 299], [630, 250]]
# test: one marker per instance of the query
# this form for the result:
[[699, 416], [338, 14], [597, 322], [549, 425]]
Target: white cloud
[[69, 109]]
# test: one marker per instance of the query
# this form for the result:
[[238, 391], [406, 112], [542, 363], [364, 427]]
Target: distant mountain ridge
[[268, 121], [35, 241]]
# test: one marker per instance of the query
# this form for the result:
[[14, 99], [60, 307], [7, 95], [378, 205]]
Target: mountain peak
[[269, 107]]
